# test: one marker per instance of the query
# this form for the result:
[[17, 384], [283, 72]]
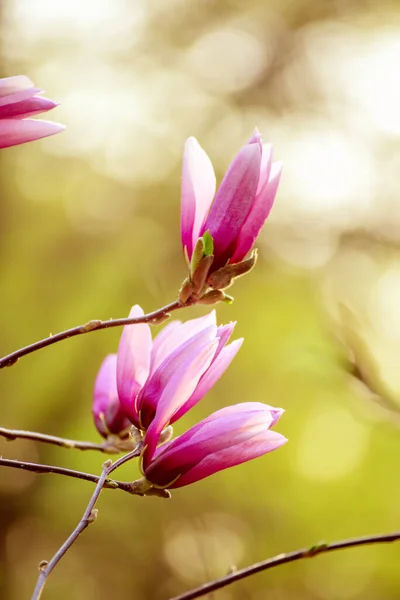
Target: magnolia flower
[[228, 437], [158, 381], [19, 99], [108, 415], [225, 227]]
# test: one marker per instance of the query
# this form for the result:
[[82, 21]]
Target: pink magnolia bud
[[244, 200], [228, 437], [19, 99]]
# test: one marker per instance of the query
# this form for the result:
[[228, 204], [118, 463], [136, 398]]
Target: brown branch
[[282, 559], [15, 434], [37, 468], [154, 317], [89, 516]]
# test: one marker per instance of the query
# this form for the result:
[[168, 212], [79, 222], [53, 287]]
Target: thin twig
[[94, 325], [89, 516], [14, 434], [282, 559], [37, 468]]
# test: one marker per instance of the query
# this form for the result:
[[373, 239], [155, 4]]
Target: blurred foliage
[[90, 225]]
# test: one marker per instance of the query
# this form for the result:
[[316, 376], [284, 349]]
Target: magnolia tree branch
[[15, 434], [89, 516], [282, 559], [155, 317], [37, 468]]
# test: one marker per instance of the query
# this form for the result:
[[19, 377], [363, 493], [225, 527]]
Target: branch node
[[91, 325], [43, 564], [110, 483], [160, 319], [11, 362], [316, 549], [93, 515]]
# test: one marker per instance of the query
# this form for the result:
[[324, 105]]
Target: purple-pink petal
[[160, 341], [216, 430], [11, 85], [15, 131], [221, 362], [17, 97], [107, 413], [151, 392], [224, 332], [18, 100], [265, 167], [176, 336], [230, 457], [177, 390], [133, 364], [257, 216], [227, 437], [233, 201], [198, 189], [26, 108]]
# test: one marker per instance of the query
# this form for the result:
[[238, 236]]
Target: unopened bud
[[186, 291], [200, 275], [198, 253], [224, 277]]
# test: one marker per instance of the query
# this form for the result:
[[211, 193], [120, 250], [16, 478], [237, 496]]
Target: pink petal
[[20, 96], [178, 389], [10, 85], [149, 397], [256, 137], [219, 365], [230, 457], [133, 364], [25, 108], [226, 438], [14, 132], [198, 189], [233, 201], [265, 168], [244, 419], [159, 341], [257, 216], [224, 332], [176, 336], [106, 409]]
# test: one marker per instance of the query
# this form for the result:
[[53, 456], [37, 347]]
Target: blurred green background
[[90, 225]]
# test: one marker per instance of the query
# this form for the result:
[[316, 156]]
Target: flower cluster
[[141, 391], [150, 384], [19, 99]]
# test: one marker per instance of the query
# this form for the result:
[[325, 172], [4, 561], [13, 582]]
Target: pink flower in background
[[228, 437], [108, 415], [19, 99], [159, 380], [244, 199]]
